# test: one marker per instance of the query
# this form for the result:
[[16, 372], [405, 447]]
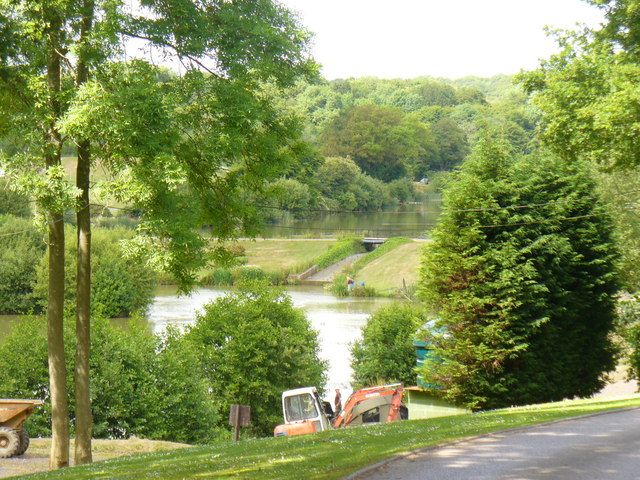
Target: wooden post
[[239, 416]]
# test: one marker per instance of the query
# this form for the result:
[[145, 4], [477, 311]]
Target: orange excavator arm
[[372, 394]]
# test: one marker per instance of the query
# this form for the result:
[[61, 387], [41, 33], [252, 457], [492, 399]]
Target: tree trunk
[[55, 310], [84, 421]]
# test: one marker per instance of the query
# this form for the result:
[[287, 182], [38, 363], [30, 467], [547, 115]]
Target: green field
[[386, 273], [326, 455], [284, 255]]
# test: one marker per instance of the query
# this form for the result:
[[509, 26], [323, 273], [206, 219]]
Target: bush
[[402, 190], [140, 385], [21, 250], [120, 285], [252, 345], [526, 295], [386, 352]]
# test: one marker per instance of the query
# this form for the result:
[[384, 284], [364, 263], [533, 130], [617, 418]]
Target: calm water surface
[[413, 221]]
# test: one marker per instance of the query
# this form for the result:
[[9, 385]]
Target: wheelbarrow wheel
[[24, 441], [9, 442]]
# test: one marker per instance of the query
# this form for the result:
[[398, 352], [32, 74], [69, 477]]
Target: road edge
[[401, 456]]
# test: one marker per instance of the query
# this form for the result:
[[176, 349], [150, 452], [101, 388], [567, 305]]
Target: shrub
[[140, 385], [252, 345], [120, 285], [386, 352], [21, 249], [218, 276], [402, 190]]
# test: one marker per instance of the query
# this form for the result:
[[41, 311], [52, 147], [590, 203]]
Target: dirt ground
[[37, 457]]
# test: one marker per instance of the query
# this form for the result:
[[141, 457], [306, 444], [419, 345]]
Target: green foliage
[[385, 142], [140, 385], [291, 195], [163, 139], [22, 247], [12, 202], [386, 352], [621, 190], [252, 345], [121, 285], [340, 250], [344, 186], [628, 329], [525, 295], [588, 97], [402, 190]]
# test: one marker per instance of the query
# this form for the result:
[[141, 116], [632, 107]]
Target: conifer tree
[[522, 273]]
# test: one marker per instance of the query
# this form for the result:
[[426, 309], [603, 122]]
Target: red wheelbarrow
[[14, 439]]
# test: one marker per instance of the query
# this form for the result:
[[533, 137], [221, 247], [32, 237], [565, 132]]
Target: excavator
[[304, 411]]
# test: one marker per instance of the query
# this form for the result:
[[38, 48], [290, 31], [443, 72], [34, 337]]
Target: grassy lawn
[[386, 272], [327, 455], [284, 255]]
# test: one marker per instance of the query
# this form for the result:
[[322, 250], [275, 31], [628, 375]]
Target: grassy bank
[[327, 455], [274, 259], [385, 271]]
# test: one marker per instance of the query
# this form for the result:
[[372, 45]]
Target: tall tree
[[179, 147], [385, 142], [522, 273]]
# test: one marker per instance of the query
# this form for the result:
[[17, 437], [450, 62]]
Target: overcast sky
[[441, 38]]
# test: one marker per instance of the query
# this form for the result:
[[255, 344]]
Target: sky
[[439, 38]]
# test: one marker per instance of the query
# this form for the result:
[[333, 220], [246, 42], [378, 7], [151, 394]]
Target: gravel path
[[595, 448], [331, 271]]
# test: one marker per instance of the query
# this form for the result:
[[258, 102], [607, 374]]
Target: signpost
[[239, 416]]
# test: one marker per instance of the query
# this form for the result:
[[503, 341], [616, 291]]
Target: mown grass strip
[[327, 455], [389, 245]]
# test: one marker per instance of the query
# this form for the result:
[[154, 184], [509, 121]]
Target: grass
[[284, 255], [386, 272], [326, 455]]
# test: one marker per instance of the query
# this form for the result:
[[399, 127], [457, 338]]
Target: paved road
[[331, 271], [595, 448]]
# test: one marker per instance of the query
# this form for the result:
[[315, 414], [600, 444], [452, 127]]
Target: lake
[[411, 220]]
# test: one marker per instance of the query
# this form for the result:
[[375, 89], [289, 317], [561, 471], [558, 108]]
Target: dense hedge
[[21, 248], [140, 385], [386, 354]]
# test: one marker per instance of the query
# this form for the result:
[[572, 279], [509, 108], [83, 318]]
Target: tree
[[386, 352], [253, 344], [522, 274], [383, 141], [180, 146]]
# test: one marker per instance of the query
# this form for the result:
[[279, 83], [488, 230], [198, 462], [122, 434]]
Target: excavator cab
[[303, 413]]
